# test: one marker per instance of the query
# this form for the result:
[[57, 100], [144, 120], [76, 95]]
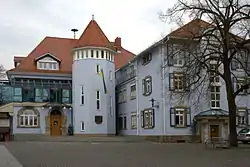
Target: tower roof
[[93, 36]]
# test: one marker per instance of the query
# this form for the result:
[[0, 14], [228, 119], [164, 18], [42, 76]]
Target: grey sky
[[24, 23]]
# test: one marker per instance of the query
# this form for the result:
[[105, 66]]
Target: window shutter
[[142, 119], [153, 118], [187, 83], [233, 64], [171, 81], [248, 116], [172, 117], [188, 117], [151, 85], [143, 86]]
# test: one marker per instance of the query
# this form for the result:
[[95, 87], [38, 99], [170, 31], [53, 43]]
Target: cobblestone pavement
[[69, 154]]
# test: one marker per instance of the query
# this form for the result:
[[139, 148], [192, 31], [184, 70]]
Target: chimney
[[118, 44]]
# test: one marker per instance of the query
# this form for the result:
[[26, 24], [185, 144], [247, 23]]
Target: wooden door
[[214, 131], [56, 125]]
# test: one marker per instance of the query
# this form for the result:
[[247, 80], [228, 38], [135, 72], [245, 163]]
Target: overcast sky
[[24, 23]]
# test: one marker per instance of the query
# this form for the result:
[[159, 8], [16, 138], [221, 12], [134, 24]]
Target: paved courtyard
[[120, 154]]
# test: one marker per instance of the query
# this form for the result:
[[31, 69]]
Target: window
[[180, 117], [98, 100], [215, 96], [17, 94], [48, 65], [133, 121], [110, 75], [147, 118], [41, 95], [177, 82], [241, 117], [82, 95], [91, 53], [28, 118], [97, 54], [65, 96], [146, 59], [240, 82], [122, 123], [82, 126], [147, 86], [97, 68], [102, 54], [132, 91], [98, 120], [176, 56], [214, 78], [122, 96]]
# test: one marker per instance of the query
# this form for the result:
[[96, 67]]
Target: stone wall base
[[94, 135], [172, 139]]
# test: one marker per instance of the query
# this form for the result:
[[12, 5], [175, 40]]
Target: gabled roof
[[93, 36], [50, 55], [59, 47], [191, 29]]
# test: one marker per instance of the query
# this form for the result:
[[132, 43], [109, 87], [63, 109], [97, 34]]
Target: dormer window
[[47, 62], [146, 59], [48, 66]]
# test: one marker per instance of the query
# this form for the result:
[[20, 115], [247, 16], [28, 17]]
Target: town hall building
[[99, 88]]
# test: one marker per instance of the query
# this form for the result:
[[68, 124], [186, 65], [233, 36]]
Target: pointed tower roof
[[93, 36]]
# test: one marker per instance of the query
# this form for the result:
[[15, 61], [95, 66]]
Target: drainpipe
[[163, 87], [137, 98]]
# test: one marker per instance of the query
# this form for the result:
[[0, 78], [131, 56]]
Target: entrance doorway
[[55, 123], [214, 131]]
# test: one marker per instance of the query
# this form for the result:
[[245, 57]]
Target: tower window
[[87, 53], [98, 100], [82, 95], [92, 53], [97, 54], [102, 54]]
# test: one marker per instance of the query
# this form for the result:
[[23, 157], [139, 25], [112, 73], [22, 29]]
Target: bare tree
[[223, 39]]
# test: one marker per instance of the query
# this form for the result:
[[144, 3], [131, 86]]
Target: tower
[[93, 79]]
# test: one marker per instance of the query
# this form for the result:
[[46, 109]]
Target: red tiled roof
[[191, 29], [93, 36], [62, 49]]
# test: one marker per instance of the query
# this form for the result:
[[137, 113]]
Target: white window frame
[[31, 119], [133, 121], [179, 82], [148, 119], [241, 117], [82, 99], [180, 113], [42, 65], [132, 93], [213, 76], [82, 126], [98, 99], [177, 59], [215, 100]]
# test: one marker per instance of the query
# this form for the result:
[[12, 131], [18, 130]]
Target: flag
[[103, 80]]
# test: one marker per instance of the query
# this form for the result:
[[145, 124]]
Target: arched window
[[28, 118]]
